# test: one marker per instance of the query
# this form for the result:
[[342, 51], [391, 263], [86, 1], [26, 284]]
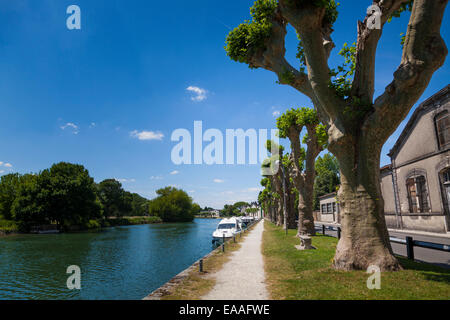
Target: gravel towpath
[[242, 277]]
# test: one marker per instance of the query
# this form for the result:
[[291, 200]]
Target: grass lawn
[[298, 275]]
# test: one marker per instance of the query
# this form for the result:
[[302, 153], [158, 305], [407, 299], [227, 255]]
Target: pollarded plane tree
[[266, 198], [291, 192], [291, 124], [276, 179], [277, 163], [358, 125]]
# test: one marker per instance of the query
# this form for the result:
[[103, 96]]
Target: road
[[437, 257]]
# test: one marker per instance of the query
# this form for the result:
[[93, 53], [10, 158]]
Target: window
[[417, 194], [442, 122], [446, 176], [324, 208], [329, 208]]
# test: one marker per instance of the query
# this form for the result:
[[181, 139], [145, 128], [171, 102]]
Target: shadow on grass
[[429, 271]]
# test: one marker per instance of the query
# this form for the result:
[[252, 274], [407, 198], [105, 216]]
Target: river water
[[125, 262]]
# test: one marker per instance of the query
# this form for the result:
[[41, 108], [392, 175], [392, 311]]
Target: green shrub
[[93, 224], [8, 226]]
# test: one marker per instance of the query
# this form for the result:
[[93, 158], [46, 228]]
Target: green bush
[[93, 224], [8, 226]]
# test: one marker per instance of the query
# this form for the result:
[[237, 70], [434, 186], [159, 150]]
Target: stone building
[[329, 208], [416, 185]]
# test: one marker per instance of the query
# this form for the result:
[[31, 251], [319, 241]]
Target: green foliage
[[196, 208], [405, 6], [234, 209], [229, 211], [272, 144], [9, 185], [8, 226], [139, 205], [342, 77], [64, 194], [92, 224], [249, 38], [297, 118], [115, 201], [286, 77], [172, 205], [30, 205], [301, 54], [327, 177]]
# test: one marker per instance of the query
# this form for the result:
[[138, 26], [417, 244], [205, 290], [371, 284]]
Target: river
[[125, 262]]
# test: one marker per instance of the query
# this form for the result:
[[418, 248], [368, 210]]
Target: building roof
[[420, 110], [328, 195]]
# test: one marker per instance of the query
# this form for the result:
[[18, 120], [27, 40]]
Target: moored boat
[[226, 229]]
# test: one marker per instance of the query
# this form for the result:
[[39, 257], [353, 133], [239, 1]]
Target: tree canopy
[[173, 205]]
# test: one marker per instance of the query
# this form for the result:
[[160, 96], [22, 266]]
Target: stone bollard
[[305, 243]]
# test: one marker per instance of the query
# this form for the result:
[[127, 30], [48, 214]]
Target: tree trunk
[[305, 211], [290, 205], [280, 215], [364, 238]]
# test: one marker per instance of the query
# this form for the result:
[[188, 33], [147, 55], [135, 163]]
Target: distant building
[[329, 208], [416, 185]]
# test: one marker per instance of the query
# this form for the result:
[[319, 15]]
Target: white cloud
[[8, 165], [199, 93], [175, 172], [252, 190], [71, 125], [147, 135], [2, 171], [191, 191], [1, 163], [218, 180], [156, 178], [93, 125], [276, 113], [126, 180]]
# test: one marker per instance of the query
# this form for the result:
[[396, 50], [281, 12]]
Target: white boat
[[246, 221], [226, 229]]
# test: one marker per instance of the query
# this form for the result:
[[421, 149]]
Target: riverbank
[[190, 284], [8, 227], [300, 275]]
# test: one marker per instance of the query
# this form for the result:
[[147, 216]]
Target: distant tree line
[[67, 195], [233, 210]]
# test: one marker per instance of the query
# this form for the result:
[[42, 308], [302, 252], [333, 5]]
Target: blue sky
[[108, 96]]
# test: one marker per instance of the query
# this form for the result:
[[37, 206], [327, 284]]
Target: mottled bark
[[290, 205], [277, 183], [364, 238]]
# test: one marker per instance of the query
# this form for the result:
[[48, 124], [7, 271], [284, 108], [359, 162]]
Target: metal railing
[[408, 241]]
